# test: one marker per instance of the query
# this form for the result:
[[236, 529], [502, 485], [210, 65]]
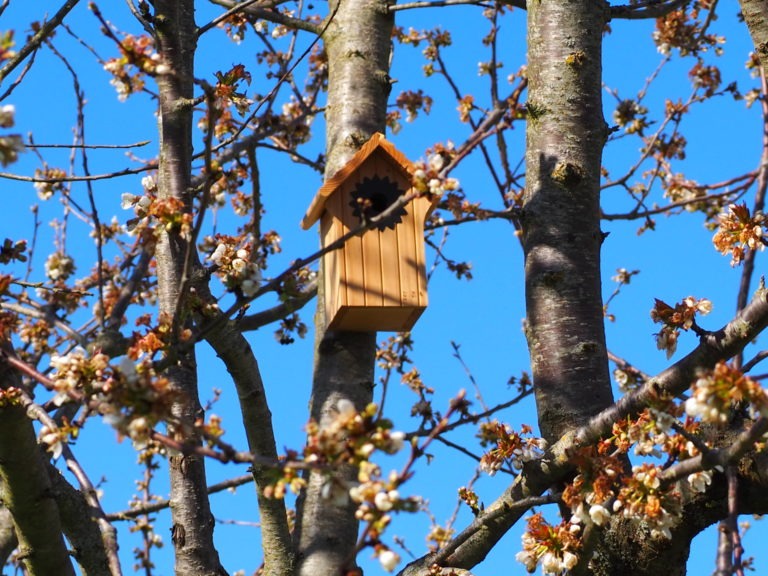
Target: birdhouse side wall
[[332, 263]]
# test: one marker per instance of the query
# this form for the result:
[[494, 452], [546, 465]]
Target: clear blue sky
[[483, 315]]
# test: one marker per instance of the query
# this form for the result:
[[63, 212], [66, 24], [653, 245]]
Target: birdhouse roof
[[376, 144]]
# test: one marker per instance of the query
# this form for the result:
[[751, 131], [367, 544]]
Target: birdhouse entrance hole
[[373, 196]]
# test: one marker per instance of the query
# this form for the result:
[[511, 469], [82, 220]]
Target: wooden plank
[[372, 272], [421, 208], [331, 266], [376, 319], [406, 245], [354, 273]]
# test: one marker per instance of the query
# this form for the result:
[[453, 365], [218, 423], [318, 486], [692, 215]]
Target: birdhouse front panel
[[376, 281]]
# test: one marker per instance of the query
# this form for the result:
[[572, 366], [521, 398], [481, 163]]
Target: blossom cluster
[[738, 231], [644, 500], [554, 547], [135, 399], [428, 178], [593, 488], [713, 395], [77, 372], [59, 266], [131, 397], [631, 115], [511, 446], [603, 489], [678, 188], [166, 214], [435, 40], [686, 30], [235, 266], [239, 262], [651, 434], [51, 180], [137, 58], [228, 180], [351, 438], [377, 497], [682, 316]]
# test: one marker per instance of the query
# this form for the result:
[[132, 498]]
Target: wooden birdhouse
[[377, 280]]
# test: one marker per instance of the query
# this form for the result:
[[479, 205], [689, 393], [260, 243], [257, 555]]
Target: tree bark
[[756, 16], [234, 350], [25, 490], [358, 45], [193, 523], [561, 213], [8, 540], [81, 527]]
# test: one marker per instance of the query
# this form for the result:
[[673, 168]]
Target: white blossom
[[149, 183], [53, 440], [127, 200], [382, 501], [436, 162], [218, 255], [389, 560], [396, 441], [599, 514], [700, 480], [526, 559]]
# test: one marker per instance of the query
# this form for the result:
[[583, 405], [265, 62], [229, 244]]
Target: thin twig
[[438, 3], [163, 504], [43, 33], [89, 146]]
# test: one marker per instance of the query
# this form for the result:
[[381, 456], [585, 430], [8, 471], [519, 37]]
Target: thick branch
[[193, 523], [81, 527], [647, 9], [267, 13], [234, 350], [25, 489], [487, 529]]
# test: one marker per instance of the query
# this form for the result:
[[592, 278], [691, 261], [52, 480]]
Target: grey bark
[[81, 527], [234, 350], [561, 213], [25, 490], [358, 45], [193, 523], [8, 540], [756, 17]]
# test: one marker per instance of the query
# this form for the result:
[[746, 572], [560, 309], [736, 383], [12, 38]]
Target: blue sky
[[482, 315]]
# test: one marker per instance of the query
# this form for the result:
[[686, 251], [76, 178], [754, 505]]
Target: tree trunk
[[756, 16], [192, 531], [561, 213], [358, 45]]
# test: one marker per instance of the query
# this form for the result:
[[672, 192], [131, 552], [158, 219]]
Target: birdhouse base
[[375, 318]]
